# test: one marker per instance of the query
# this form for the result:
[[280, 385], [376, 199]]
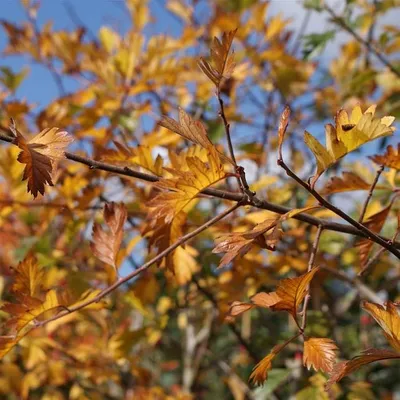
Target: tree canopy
[[173, 223]]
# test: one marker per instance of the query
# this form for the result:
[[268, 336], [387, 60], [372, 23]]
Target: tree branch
[[221, 194]]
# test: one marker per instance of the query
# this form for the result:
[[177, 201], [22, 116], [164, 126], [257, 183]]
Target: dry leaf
[[106, 244], [222, 59], [350, 181], [283, 124], [344, 368], [265, 300], [319, 353], [260, 371], [390, 159], [40, 155]]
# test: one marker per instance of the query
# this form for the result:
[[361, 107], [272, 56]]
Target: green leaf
[[315, 43]]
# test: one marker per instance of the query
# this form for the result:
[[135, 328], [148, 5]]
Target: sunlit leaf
[[319, 353]]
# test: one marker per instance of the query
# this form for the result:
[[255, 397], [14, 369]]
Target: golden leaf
[[222, 60], [283, 124], [348, 134], [265, 300], [185, 186], [319, 353], [292, 292], [40, 155], [388, 318], [105, 245]]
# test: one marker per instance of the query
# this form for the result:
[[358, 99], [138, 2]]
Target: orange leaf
[[40, 155], [222, 60], [105, 245], [390, 159], [388, 318], [237, 308], [260, 371], [319, 353], [344, 368], [265, 300], [292, 292]]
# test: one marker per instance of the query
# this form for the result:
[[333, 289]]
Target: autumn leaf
[[350, 181], [106, 244], [40, 155], [283, 124], [28, 277], [319, 353], [292, 292], [266, 235], [191, 130], [348, 134], [345, 368], [222, 59], [266, 300], [185, 186], [260, 371], [388, 318], [390, 159], [30, 309], [237, 308]]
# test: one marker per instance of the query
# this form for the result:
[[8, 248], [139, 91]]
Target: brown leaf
[[106, 244], [191, 130], [319, 353], [40, 155], [237, 308], [222, 60], [292, 292], [388, 318], [390, 159], [350, 181], [344, 368], [266, 235]]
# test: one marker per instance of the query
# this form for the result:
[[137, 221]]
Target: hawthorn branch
[[368, 233], [371, 190], [145, 266], [367, 44], [310, 267], [221, 194]]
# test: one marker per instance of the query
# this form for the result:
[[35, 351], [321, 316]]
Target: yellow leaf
[[292, 292], [388, 318], [283, 124], [184, 186], [348, 134], [222, 60], [319, 353]]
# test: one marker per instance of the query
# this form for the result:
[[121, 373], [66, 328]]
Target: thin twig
[[221, 194], [371, 190], [369, 234], [310, 267], [368, 45], [145, 266]]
